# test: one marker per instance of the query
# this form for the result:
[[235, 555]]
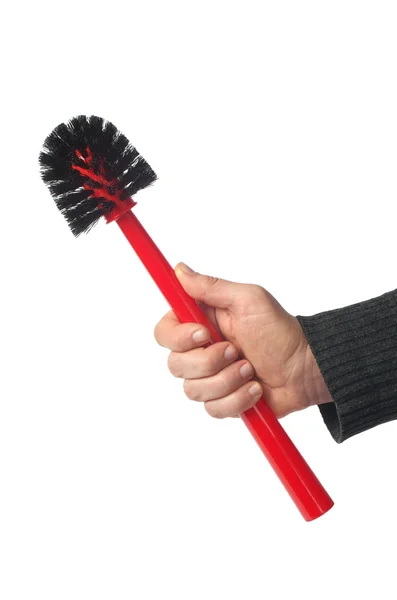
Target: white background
[[273, 128]]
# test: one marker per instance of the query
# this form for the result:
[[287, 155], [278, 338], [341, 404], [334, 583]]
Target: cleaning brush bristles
[[92, 170]]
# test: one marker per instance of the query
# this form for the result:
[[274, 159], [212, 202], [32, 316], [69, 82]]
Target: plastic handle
[[306, 491]]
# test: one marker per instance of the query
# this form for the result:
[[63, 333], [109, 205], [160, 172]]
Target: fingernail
[[185, 269], [246, 370], [199, 335], [230, 353], [255, 389]]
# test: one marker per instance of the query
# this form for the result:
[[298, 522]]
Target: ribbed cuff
[[356, 350]]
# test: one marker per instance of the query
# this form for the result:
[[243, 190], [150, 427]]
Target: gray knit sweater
[[356, 351]]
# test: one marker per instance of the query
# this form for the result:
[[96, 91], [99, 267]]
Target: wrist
[[305, 385], [316, 390]]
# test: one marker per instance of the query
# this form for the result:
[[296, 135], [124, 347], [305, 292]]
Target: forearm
[[355, 351]]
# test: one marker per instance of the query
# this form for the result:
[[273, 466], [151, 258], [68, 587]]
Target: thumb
[[210, 290]]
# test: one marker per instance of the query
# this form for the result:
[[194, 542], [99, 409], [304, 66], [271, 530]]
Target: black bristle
[[128, 177], [120, 162], [58, 188], [95, 145], [84, 223], [106, 205], [144, 177], [86, 206], [72, 200]]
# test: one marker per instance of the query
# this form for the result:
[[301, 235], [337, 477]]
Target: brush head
[[92, 170]]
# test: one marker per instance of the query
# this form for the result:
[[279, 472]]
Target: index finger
[[180, 337]]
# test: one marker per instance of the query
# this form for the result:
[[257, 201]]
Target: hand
[[264, 342]]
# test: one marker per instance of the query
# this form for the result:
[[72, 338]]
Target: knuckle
[[211, 362], [209, 282], [174, 365], [242, 404], [224, 380], [254, 296], [213, 410], [257, 291], [191, 390], [213, 280], [156, 332]]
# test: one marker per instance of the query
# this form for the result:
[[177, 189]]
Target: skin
[[266, 351]]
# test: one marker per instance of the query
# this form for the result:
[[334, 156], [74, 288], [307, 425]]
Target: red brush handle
[[299, 480]]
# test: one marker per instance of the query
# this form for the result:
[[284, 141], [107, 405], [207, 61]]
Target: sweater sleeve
[[356, 350]]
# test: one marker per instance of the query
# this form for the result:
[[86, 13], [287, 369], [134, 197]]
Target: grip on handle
[[305, 489]]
